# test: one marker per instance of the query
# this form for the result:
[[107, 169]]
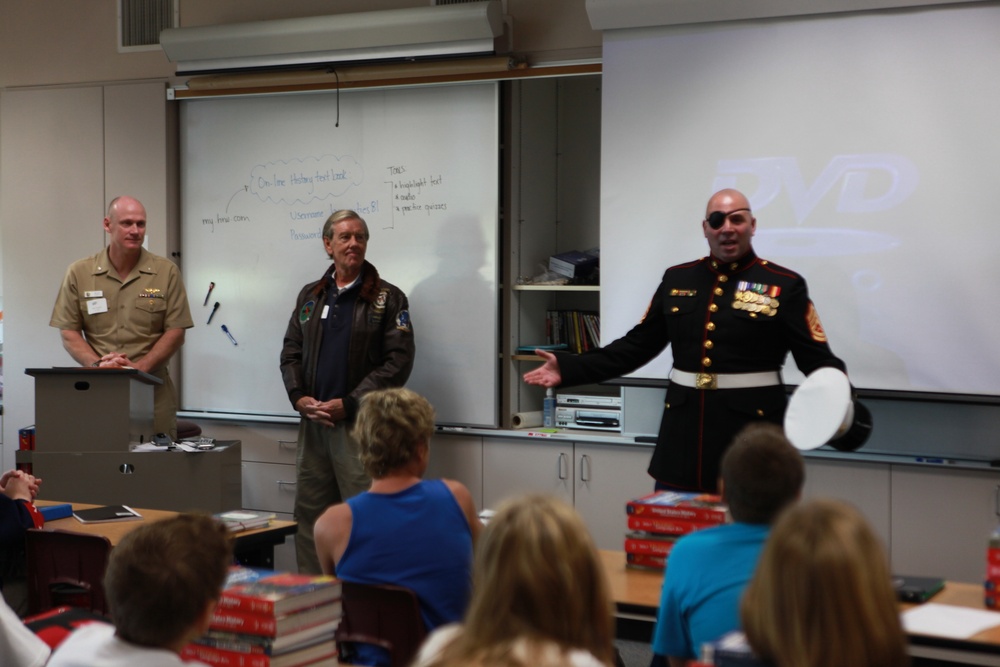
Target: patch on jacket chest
[[378, 307]]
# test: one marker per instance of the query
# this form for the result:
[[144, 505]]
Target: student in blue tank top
[[405, 530]]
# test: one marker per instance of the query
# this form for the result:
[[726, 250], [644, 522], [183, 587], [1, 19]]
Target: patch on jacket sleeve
[[306, 311], [815, 326], [403, 321]]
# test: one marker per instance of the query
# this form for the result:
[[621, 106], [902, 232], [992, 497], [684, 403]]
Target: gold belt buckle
[[706, 381]]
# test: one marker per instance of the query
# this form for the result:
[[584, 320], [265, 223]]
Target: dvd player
[[595, 400], [600, 419]]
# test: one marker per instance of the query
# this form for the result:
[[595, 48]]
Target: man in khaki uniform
[[126, 308]]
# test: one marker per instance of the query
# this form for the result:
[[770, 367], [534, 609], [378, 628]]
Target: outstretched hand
[[546, 375]]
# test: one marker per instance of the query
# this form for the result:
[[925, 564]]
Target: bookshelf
[[552, 154], [529, 311], [554, 290]]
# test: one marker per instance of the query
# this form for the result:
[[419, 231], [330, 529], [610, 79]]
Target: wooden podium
[[92, 409], [87, 421]]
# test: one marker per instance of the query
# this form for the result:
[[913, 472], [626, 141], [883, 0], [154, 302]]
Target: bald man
[[730, 319], [126, 308]]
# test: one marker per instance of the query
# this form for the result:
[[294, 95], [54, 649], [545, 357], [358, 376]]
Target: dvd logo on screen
[[867, 183]]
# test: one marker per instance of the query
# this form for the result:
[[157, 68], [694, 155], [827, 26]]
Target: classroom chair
[[187, 429], [383, 615], [66, 568]]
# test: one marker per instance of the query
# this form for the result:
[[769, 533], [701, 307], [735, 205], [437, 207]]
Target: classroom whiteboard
[[259, 177]]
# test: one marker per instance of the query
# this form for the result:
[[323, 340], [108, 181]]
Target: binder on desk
[[916, 589], [106, 514]]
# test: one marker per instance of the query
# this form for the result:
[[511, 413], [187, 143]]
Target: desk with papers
[[254, 548], [954, 626]]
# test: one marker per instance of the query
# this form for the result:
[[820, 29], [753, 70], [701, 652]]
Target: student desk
[[636, 594], [252, 547]]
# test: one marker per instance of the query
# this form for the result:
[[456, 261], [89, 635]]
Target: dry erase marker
[[212, 314], [225, 330], [211, 286]]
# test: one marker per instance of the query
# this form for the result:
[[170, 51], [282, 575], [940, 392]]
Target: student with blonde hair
[[405, 530], [822, 594], [540, 597]]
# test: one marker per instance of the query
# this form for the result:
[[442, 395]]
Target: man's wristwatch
[[96, 364]]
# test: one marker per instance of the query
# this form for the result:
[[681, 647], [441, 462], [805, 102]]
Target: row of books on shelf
[[271, 619], [657, 520], [579, 330]]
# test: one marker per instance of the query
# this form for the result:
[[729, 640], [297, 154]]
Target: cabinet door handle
[[563, 466], [585, 468], [996, 500], [282, 482], [284, 444]]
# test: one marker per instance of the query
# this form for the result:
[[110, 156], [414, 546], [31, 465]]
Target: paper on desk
[[944, 620], [150, 447]]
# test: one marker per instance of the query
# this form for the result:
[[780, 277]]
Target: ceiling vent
[[462, 29], [141, 21]]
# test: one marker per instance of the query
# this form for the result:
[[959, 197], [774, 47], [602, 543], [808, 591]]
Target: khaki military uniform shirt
[[126, 316]]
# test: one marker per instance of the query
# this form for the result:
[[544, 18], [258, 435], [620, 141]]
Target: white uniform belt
[[725, 380]]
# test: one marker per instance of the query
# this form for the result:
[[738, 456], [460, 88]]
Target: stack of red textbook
[[992, 582], [271, 619], [657, 520]]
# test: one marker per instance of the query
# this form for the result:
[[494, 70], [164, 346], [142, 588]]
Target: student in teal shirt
[[761, 474]]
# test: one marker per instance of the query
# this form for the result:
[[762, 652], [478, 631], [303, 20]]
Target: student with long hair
[[822, 594], [540, 597]]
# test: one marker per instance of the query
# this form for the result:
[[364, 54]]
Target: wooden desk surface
[[639, 591], [631, 587], [116, 530]]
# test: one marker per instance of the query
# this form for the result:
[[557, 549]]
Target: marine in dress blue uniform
[[730, 318]]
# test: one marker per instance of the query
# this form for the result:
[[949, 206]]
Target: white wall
[[64, 152]]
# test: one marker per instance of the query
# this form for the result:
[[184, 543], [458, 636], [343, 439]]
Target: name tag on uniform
[[93, 294], [326, 311], [95, 306]]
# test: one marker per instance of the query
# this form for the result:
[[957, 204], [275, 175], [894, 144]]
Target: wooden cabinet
[[598, 479], [514, 467], [935, 520], [605, 479], [458, 457]]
